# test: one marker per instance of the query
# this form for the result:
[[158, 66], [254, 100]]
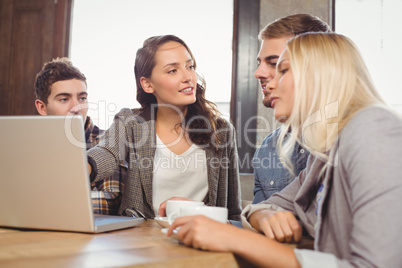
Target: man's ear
[[146, 85], [41, 107]]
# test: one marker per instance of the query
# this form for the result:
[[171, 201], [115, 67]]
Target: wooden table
[[142, 246]]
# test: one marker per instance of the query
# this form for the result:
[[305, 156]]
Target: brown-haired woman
[[176, 145]]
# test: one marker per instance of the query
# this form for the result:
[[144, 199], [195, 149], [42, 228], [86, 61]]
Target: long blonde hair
[[332, 84]]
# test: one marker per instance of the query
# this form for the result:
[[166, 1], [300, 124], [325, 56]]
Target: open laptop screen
[[44, 180]]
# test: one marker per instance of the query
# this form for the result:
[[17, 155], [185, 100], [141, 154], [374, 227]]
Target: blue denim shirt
[[270, 176]]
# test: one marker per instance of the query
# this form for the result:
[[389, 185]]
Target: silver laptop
[[44, 182]]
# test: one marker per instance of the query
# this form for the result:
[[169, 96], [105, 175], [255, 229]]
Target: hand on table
[[203, 233], [279, 225]]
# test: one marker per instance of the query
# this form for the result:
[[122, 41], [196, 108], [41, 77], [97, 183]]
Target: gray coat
[[132, 139], [355, 210]]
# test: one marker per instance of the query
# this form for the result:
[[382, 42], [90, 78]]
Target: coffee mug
[[173, 208], [216, 213]]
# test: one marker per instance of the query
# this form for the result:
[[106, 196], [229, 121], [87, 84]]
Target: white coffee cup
[[216, 213], [173, 208]]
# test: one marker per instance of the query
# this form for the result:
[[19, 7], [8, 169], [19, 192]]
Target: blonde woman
[[348, 197]]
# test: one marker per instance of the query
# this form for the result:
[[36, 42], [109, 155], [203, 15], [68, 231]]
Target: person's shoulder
[[127, 112], [224, 130], [372, 118], [275, 133], [136, 114], [371, 126], [97, 131], [223, 123], [377, 111], [90, 126], [272, 137], [372, 138], [268, 143]]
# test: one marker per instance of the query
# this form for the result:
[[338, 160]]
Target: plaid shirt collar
[[92, 133]]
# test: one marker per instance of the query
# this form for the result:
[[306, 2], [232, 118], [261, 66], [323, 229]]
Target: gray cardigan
[[354, 211], [132, 139]]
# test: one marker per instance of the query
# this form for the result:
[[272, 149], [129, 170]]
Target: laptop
[[44, 182]]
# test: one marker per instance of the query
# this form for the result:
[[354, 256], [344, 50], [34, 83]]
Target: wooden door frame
[[33, 32]]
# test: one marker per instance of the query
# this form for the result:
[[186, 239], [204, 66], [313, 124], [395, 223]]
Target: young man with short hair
[[61, 89], [274, 177]]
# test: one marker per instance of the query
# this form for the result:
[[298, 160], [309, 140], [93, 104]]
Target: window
[[106, 35], [374, 26]]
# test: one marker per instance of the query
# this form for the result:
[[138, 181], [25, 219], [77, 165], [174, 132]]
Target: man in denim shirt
[[269, 173]]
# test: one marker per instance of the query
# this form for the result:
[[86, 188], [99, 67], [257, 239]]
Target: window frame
[[244, 95]]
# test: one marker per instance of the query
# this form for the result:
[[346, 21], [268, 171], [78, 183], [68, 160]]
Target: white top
[[183, 175]]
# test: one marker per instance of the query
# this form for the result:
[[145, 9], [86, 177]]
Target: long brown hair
[[197, 112]]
